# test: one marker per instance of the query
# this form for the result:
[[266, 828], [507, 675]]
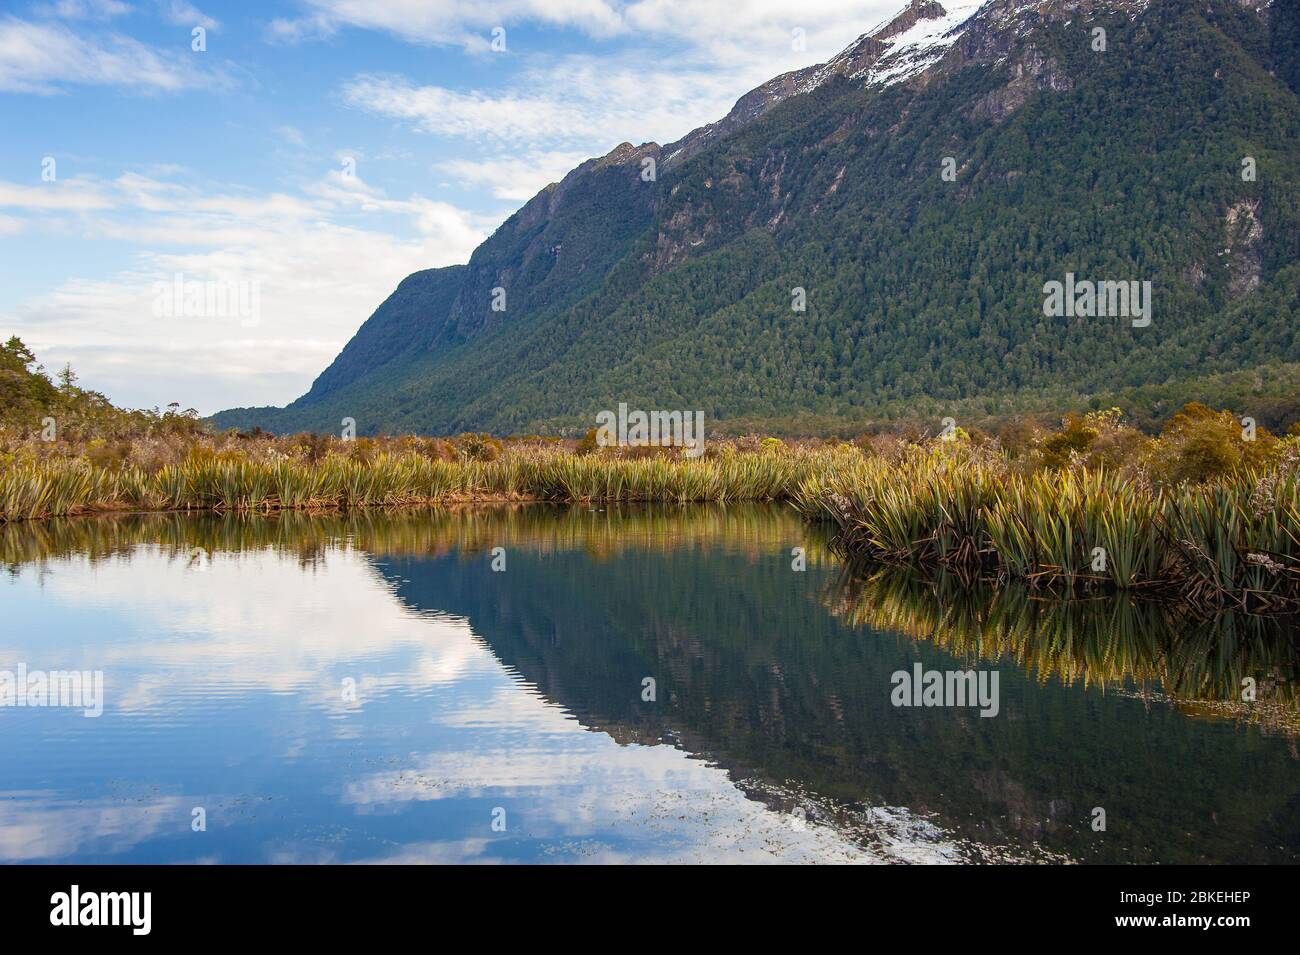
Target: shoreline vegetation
[[1207, 512]]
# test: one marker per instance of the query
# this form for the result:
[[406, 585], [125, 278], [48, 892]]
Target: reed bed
[[60, 487], [1234, 542]]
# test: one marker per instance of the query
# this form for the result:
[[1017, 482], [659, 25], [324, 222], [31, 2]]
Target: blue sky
[[317, 151]]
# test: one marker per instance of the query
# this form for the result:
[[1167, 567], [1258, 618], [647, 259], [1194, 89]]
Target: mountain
[[1165, 154]]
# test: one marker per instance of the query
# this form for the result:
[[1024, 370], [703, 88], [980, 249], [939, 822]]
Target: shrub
[[1200, 445], [478, 447]]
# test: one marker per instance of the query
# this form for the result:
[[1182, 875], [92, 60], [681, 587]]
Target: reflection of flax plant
[[1110, 642], [757, 530]]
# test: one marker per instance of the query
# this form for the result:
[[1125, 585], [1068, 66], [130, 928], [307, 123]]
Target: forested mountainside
[[921, 188]]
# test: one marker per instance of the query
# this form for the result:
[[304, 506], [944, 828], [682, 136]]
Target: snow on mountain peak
[[900, 47], [918, 36], [915, 48]]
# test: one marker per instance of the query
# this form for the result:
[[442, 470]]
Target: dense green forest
[[924, 296]]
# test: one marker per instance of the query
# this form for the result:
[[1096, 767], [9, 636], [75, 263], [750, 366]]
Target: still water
[[368, 688]]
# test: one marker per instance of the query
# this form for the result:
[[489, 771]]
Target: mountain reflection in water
[[225, 640]]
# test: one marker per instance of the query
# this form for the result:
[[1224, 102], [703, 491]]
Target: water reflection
[[1203, 663], [771, 738]]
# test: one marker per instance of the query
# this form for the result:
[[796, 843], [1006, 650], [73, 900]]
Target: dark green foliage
[[399, 326], [26, 393]]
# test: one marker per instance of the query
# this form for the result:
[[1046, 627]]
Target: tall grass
[[49, 488], [1235, 541], [224, 482]]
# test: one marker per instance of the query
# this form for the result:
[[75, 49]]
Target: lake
[[590, 684]]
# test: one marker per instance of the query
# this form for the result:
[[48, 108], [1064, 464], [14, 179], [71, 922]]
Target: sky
[[201, 204]]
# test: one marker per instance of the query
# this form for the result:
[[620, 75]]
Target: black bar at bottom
[[335, 904]]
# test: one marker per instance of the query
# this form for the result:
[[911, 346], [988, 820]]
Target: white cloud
[[575, 104], [744, 33], [736, 34], [512, 177], [466, 23], [45, 58], [181, 13], [85, 9], [321, 261], [301, 29], [74, 194], [435, 109]]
